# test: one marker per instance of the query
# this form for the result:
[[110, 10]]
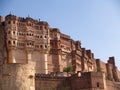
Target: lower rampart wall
[[17, 77], [113, 85], [88, 81], [46, 82]]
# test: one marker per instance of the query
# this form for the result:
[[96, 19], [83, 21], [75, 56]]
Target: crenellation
[[111, 61], [89, 53]]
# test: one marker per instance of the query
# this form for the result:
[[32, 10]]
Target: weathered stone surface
[[18, 77]]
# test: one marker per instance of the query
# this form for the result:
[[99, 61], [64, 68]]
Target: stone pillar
[[46, 64], [17, 76], [104, 81]]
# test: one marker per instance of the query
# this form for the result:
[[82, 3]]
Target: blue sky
[[96, 23]]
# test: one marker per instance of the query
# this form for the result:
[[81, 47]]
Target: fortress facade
[[32, 53]]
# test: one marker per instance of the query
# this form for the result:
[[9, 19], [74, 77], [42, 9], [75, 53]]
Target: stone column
[[46, 64]]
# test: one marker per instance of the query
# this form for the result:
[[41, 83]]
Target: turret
[[78, 45], [111, 61]]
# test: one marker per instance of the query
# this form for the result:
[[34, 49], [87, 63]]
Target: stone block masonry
[[18, 76]]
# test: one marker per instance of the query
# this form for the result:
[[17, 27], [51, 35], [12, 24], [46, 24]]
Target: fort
[[34, 56]]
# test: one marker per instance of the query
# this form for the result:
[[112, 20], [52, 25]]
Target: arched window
[[9, 22], [37, 36], [45, 27], [45, 46], [45, 36], [13, 42], [9, 42], [27, 43], [41, 46], [41, 36], [13, 32]]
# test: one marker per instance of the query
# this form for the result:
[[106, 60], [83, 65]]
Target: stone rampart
[[17, 77]]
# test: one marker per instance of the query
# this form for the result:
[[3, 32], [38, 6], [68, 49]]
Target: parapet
[[55, 30], [78, 44], [111, 61], [48, 76], [84, 50], [89, 53], [65, 36]]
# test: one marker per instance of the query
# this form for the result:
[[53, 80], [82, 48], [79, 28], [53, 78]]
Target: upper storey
[[60, 41], [26, 32], [28, 20]]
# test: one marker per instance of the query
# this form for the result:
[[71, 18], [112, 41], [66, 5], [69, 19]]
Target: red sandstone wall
[[101, 67], [55, 83], [80, 83], [112, 86], [62, 83], [88, 81], [118, 73], [109, 72]]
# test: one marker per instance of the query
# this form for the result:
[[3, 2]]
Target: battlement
[[48, 77], [56, 30], [65, 36], [90, 54], [74, 82], [84, 50], [111, 61]]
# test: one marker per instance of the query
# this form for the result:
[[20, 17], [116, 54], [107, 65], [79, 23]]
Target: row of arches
[[28, 44], [38, 27], [30, 34]]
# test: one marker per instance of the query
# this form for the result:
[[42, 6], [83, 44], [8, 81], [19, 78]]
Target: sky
[[96, 23]]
